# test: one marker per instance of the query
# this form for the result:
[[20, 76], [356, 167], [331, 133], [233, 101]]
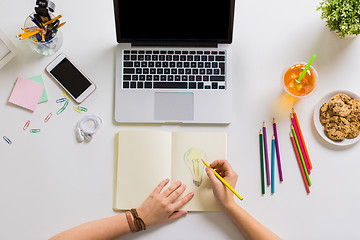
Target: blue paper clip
[[7, 140], [60, 100]]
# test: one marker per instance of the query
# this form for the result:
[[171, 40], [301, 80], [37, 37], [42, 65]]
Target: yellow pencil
[[27, 34], [52, 20], [223, 181], [62, 24]]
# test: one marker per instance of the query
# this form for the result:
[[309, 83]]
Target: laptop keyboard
[[151, 69]]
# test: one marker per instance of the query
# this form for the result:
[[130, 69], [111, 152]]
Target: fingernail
[[178, 182]]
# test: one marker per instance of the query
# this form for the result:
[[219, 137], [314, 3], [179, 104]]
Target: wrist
[[228, 205]]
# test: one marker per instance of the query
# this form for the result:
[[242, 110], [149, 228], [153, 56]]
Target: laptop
[[172, 62]]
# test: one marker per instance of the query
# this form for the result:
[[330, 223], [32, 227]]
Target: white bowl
[[321, 129]]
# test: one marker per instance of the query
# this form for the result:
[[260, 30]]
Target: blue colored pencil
[[273, 165], [266, 156]]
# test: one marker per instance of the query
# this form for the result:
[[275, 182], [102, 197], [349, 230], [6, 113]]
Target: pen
[[223, 181]]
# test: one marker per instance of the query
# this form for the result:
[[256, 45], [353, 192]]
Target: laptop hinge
[[174, 44]]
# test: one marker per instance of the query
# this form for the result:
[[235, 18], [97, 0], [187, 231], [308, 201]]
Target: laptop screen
[[174, 20]]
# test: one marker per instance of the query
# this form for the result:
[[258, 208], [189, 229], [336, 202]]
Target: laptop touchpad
[[174, 106]]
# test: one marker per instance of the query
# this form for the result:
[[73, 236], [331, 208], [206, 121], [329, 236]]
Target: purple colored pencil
[[266, 156], [277, 150]]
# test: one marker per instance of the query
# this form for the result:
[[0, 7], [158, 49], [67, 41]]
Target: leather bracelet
[[138, 222], [130, 222]]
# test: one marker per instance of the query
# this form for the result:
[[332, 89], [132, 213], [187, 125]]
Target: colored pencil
[[301, 137], [223, 181], [262, 163], [299, 163], [300, 143], [301, 156], [266, 156], [277, 150], [273, 165]]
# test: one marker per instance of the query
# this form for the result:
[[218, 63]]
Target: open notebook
[[145, 158]]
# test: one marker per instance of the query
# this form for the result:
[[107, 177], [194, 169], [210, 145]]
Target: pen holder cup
[[47, 47]]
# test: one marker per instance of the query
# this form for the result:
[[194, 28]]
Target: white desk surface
[[49, 182]]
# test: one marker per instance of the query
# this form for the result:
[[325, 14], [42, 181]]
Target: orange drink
[[295, 88]]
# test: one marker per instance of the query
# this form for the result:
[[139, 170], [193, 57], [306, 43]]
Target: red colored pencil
[[300, 143], [302, 138], [299, 162]]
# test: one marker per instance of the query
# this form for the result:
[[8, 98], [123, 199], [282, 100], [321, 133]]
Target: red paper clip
[[26, 125], [48, 117]]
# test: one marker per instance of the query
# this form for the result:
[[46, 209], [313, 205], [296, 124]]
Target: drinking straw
[[301, 156], [305, 70], [266, 156], [299, 163], [302, 138], [262, 163], [300, 143], [277, 150], [273, 165]]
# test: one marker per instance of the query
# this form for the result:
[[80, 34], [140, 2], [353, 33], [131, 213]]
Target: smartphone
[[75, 83]]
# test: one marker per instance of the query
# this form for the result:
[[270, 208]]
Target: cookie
[[353, 117], [339, 105], [343, 97], [354, 129], [325, 113], [355, 106], [337, 128]]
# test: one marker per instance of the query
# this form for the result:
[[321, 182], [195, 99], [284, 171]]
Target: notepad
[[145, 158], [39, 79], [26, 93]]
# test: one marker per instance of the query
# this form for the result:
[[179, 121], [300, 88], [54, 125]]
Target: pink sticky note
[[26, 93]]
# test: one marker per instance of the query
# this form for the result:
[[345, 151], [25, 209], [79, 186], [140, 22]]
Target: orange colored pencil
[[301, 137]]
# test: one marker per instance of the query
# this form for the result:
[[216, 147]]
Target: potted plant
[[342, 16]]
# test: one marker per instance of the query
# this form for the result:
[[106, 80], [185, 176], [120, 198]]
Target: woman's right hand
[[222, 194]]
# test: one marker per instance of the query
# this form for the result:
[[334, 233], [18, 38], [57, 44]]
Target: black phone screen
[[70, 77]]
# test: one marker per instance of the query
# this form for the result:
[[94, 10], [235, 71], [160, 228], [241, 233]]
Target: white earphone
[[86, 135]]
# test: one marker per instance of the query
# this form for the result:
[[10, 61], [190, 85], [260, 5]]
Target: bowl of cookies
[[337, 118]]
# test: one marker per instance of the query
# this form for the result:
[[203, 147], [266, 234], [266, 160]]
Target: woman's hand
[[161, 206], [222, 194]]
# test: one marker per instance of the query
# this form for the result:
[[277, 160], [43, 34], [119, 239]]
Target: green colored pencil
[[262, 163], [301, 155]]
